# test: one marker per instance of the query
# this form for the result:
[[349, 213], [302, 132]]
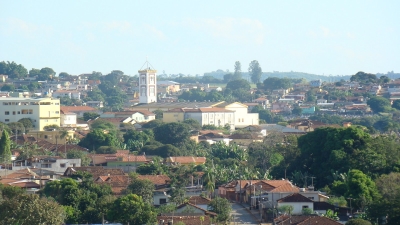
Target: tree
[[172, 133], [222, 207], [103, 124], [90, 116], [396, 104], [238, 84], [273, 83], [389, 185], [193, 124], [27, 123], [361, 188], [78, 154], [255, 71], [141, 187], [364, 78], [153, 124], [26, 209], [237, 75], [358, 222], [159, 114], [384, 80], [13, 70], [133, 210], [51, 127], [379, 104], [297, 110], [16, 127], [8, 87], [97, 138], [46, 73], [5, 147]]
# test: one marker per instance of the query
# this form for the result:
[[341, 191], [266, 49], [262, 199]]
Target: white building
[[148, 85], [242, 117], [72, 94], [42, 111], [68, 119]]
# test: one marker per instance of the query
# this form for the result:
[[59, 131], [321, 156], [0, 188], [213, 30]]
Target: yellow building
[[42, 111], [175, 115]]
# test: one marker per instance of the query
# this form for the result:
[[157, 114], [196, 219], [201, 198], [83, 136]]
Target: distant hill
[[296, 75]]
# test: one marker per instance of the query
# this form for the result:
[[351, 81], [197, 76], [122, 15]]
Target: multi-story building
[[42, 111]]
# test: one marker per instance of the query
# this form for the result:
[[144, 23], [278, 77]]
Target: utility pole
[[351, 209]]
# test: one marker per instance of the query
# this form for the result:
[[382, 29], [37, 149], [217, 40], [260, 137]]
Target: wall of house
[[170, 117], [58, 167], [68, 120], [297, 206]]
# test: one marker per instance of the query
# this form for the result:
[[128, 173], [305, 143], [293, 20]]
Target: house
[[307, 109], [42, 111], [96, 104], [72, 94], [168, 86], [118, 183], [309, 125], [316, 83], [298, 202], [200, 201], [54, 164], [138, 116], [68, 119], [96, 171], [185, 160], [265, 129], [213, 138], [304, 220], [187, 220], [161, 185], [188, 209], [245, 139]]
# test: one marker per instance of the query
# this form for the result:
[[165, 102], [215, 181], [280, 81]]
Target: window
[[73, 165], [305, 207], [57, 112], [13, 112], [163, 201], [62, 165], [312, 198], [7, 113], [7, 120], [19, 112]]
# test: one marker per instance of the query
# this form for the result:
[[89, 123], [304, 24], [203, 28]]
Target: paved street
[[241, 215]]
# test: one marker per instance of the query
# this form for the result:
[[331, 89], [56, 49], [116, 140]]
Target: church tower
[[147, 85]]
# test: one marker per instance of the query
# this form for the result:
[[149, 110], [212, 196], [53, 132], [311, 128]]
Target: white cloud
[[158, 34], [21, 27], [228, 28]]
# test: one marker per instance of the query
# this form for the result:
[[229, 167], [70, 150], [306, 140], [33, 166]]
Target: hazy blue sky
[[193, 37]]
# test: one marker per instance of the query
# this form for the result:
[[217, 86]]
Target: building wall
[[241, 116], [42, 112], [297, 206], [68, 120], [58, 167], [170, 117]]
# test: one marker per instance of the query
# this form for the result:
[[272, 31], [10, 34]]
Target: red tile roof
[[296, 197], [156, 179], [77, 108]]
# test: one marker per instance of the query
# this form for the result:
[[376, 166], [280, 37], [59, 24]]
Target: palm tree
[[64, 135], [209, 174]]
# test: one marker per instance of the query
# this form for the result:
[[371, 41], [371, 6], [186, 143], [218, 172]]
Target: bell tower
[[147, 84]]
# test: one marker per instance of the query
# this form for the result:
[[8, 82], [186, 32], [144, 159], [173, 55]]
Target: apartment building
[[42, 111]]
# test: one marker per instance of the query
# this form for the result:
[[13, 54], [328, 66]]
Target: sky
[[193, 37]]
